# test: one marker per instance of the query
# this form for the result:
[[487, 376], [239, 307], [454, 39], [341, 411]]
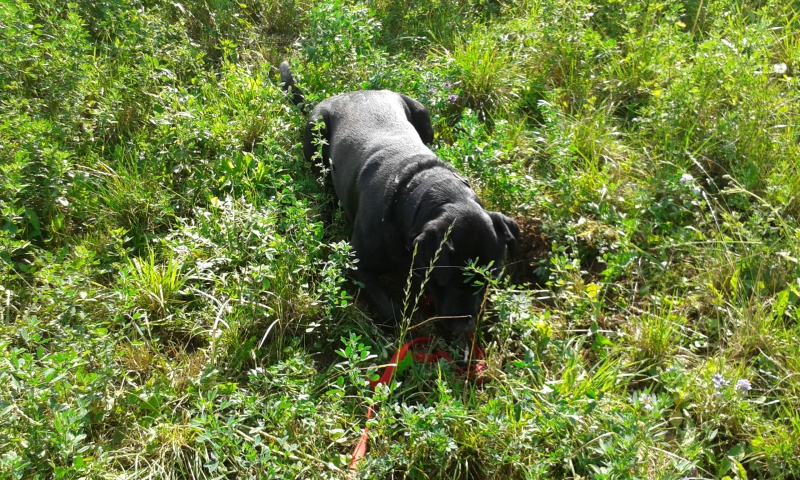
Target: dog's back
[[369, 123], [372, 139]]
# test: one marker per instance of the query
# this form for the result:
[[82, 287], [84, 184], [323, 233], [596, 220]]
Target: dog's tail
[[289, 86]]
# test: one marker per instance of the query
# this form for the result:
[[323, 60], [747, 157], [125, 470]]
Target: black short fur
[[401, 197]]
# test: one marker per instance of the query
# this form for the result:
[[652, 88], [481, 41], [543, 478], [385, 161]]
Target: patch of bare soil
[[533, 249]]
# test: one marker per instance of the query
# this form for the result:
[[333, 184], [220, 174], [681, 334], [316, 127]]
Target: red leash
[[474, 371]]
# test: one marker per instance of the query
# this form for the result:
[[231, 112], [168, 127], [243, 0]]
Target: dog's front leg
[[377, 295]]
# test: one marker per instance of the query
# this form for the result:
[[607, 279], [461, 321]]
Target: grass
[[174, 300]]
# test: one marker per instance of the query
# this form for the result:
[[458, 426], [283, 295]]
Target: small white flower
[[686, 178], [779, 68], [645, 401]]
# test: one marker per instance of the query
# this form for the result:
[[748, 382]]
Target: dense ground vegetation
[[173, 291]]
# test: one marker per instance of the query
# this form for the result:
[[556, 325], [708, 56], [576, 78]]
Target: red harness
[[473, 371]]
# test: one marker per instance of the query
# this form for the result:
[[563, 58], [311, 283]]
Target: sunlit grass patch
[[485, 71], [655, 336], [127, 200], [159, 286]]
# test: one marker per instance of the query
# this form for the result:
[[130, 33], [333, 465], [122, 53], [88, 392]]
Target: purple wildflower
[[719, 383], [452, 98], [743, 386]]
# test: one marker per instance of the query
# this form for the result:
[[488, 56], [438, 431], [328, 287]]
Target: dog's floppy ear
[[418, 116], [507, 229], [430, 242]]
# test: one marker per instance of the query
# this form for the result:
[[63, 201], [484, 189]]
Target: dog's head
[[451, 243]]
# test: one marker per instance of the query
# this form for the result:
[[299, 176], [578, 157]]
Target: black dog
[[401, 198]]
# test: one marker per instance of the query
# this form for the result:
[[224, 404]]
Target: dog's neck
[[422, 188], [433, 194]]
